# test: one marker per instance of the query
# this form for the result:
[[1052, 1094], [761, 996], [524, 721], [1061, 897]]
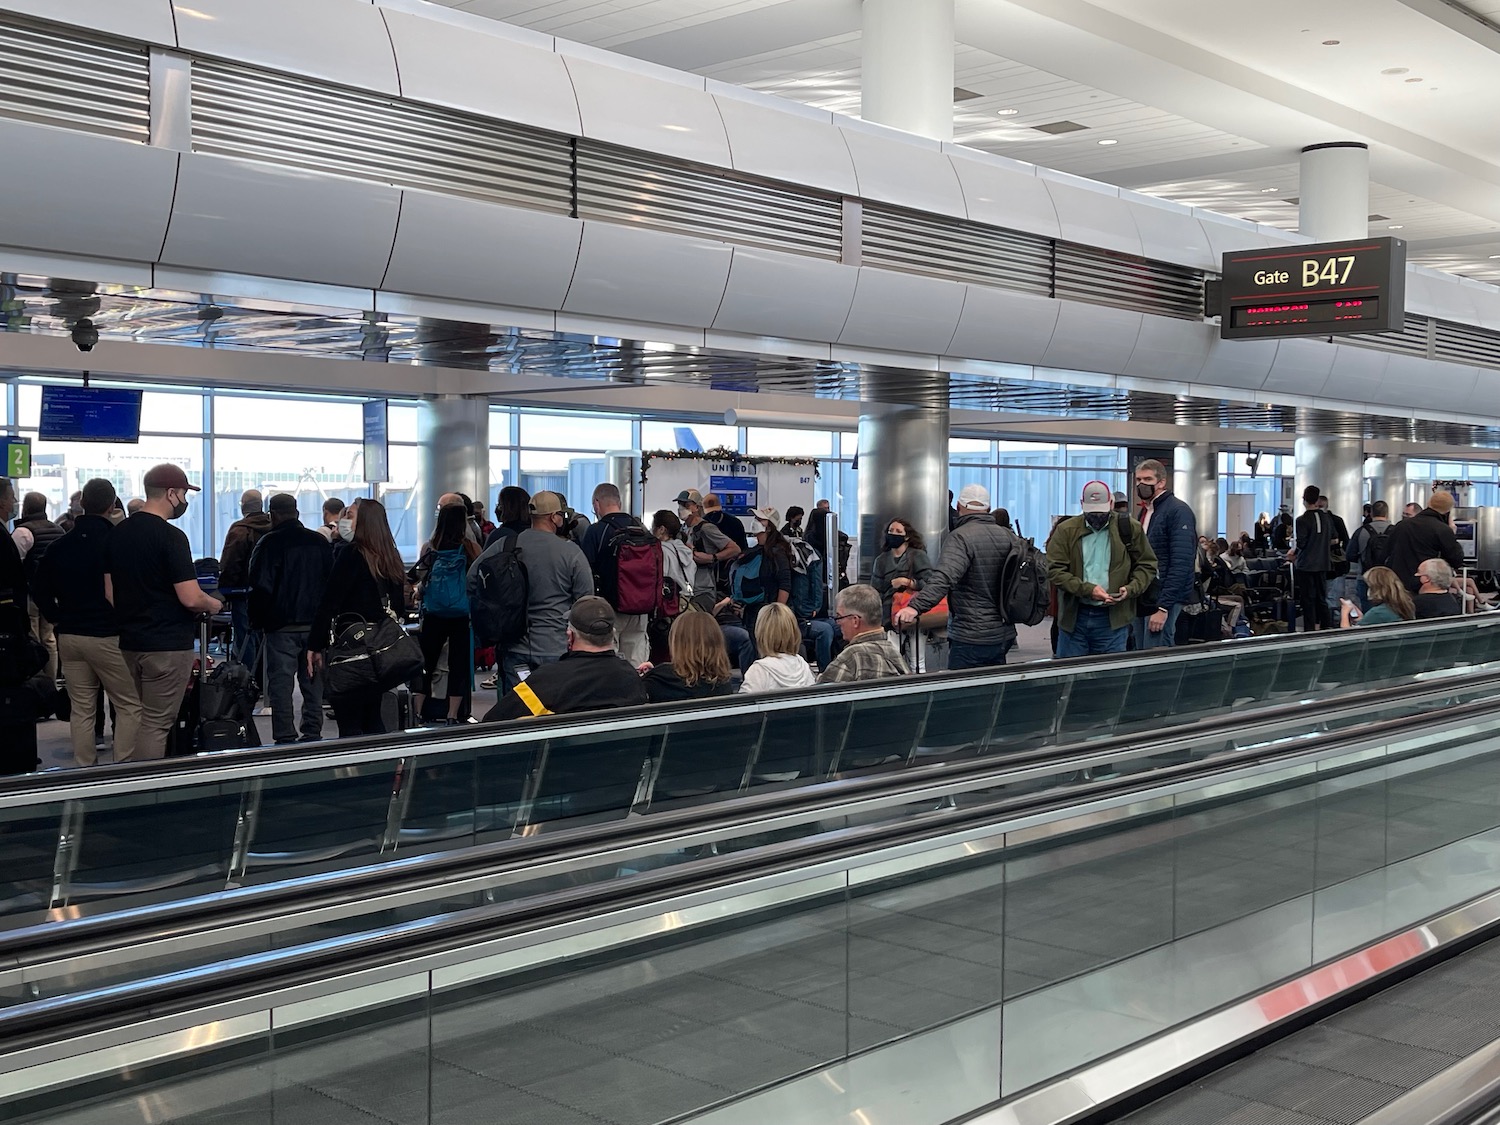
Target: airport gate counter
[[1199, 825]]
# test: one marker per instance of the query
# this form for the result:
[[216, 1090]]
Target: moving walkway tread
[[1355, 1062]]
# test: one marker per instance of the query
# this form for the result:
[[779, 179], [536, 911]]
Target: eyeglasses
[[847, 617]]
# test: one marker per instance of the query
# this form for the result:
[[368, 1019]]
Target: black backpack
[[1377, 548], [499, 592], [1024, 590]]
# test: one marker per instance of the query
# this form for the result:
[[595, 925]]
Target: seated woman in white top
[[779, 640]]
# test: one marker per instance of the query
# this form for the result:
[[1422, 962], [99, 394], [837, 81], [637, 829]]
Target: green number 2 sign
[[17, 459]]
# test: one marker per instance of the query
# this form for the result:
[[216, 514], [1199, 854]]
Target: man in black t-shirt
[[157, 599]]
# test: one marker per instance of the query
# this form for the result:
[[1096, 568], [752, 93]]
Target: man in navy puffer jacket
[[1172, 531]]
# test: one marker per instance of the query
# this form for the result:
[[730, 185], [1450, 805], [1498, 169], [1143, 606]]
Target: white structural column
[[1335, 191], [903, 459], [907, 69], [1388, 481], [1195, 481], [455, 434], [1337, 466]]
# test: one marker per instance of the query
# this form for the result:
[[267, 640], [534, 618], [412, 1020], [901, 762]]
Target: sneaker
[[490, 684]]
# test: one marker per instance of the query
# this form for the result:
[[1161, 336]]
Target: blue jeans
[[245, 643], [741, 648], [1092, 634], [286, 664], [1167, 638], [820, 630], [964, 655]]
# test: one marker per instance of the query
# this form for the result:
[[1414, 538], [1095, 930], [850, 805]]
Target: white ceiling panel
[[1188, 94]]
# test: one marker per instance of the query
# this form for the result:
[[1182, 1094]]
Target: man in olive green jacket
[[1099, 563]]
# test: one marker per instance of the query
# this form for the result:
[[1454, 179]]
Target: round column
[[455, 434], [1388, 482], [903, 466], [1337, 466], [1335, 191], [906, 78], [1195, 481]]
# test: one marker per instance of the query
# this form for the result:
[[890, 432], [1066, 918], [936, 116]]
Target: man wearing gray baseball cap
[[1099, 563]]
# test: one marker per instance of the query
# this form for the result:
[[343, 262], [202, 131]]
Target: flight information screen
[[1307, 312], [90, 414]]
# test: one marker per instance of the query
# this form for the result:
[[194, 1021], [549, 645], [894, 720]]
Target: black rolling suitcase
[[217, 711]]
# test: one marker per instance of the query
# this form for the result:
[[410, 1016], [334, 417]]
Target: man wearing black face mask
[[1172, 531], [152, 584], [1099, 562]]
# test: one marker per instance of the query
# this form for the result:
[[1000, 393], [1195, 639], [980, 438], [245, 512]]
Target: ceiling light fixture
[[1006, 112], [1330, 42], [1268, 190], [1108, 142], [1395, 226], [1494, 256], [1414, 80], [1396, 70]]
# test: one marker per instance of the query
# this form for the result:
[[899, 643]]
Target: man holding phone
[[1099, 562]]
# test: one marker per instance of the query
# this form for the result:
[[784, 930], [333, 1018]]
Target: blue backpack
[[446, 592], [747, 585], [807, 581]]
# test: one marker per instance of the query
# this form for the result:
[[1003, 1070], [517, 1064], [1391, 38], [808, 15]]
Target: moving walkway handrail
[[571, 848], [302, 964], [230, 765]]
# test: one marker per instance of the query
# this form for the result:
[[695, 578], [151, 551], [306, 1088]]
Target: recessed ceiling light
[[1109, 142], [1006, 112], [1266, 190], [1396, 70], [1330, 42], [1414, 80], [1394, 226], [1494, 256]]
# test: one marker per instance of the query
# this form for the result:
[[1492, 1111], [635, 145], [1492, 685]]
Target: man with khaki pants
[[154, 589], [68, 591]]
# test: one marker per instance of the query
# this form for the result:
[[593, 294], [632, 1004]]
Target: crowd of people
[[613, 612]]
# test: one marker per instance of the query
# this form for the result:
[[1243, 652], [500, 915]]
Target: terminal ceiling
[[587, 369], [1207, 103]]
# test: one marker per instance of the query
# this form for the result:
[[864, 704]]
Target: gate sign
[[1330, 289], [17, 452]]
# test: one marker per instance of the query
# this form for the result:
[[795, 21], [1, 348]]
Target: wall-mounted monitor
[[90, 414]]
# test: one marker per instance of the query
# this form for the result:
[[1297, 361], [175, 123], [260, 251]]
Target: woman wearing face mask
[[367, 578], [902, 566]]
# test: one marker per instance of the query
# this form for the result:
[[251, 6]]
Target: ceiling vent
[[962, 95], [1056, 128]]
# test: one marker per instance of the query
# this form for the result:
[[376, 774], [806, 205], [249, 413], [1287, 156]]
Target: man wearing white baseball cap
[[1099, 563], [968, 575]]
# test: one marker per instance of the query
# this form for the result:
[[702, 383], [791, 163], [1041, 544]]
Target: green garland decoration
[[722, 454]]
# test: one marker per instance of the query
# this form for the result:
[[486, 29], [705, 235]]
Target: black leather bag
[[366, 656]]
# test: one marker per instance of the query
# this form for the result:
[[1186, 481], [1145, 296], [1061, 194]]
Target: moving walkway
[[913, 939]]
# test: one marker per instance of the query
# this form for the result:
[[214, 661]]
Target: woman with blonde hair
[[699, 668], [1389, 600], [778, 638]]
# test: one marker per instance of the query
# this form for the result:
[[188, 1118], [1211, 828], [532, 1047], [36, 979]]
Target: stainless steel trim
[[574, 939], [87, 1060], [295, 1013], [171, 100], [1096, 1086], [1467, 1086]]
